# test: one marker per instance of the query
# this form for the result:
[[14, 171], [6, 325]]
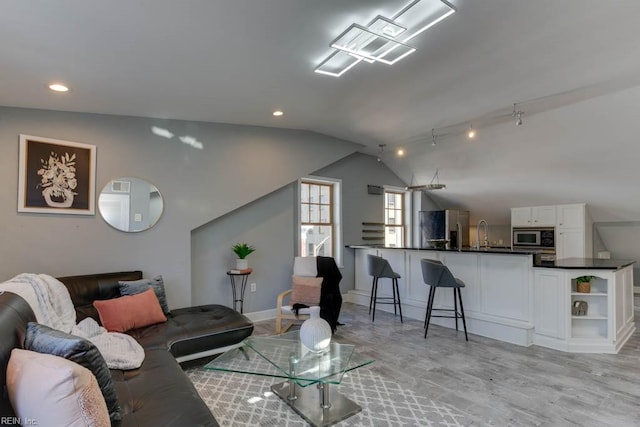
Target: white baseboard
[[258, 316]]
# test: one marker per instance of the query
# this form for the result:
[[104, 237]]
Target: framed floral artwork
[[56, 176]]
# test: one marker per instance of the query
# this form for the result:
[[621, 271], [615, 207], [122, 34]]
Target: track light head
[[380, 151], [519, 118], [472, 133]]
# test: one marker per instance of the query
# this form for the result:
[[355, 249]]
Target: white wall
[[236, 165]]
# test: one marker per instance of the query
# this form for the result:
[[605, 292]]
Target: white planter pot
[[242, 264]]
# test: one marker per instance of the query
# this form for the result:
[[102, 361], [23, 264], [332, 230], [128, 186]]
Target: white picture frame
[[56, 176]]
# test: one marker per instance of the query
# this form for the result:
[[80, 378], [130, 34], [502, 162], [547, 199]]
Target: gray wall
[[270, 224], [236, 165]]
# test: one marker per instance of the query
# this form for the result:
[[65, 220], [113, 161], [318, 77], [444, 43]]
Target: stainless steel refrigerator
[[444, 225]]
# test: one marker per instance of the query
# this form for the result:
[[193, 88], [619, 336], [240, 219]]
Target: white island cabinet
[[608, 322], [496, 298], [509, 299]]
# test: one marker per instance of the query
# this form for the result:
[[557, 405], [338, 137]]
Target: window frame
[[335, 213], [405, 213]]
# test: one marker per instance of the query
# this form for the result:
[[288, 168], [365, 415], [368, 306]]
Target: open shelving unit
[[595, 323], [373, 232]]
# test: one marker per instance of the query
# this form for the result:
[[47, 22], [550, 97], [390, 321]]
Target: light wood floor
[[497, 383]]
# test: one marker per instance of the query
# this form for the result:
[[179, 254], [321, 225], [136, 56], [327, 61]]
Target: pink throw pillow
[[51, 390], [306, 290], [130, 312]]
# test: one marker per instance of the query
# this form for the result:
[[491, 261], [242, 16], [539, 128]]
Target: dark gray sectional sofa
[[158, 393]]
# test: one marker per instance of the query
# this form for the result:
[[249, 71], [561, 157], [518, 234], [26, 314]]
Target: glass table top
[[284, 356]]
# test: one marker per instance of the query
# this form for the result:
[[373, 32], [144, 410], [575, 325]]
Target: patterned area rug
[[247, 400]]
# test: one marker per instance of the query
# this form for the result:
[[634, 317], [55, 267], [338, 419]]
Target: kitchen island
[[512, 296]]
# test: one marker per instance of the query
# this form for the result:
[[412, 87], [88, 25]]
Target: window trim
[[336, 213], [406, 211]]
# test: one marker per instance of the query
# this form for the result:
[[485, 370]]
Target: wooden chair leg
[[278, 323]]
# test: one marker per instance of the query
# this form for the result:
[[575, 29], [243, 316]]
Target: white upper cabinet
[[571, 216], [537, 216]]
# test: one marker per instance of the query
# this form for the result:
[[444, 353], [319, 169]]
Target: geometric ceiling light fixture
[[383, 39], [366, 44]]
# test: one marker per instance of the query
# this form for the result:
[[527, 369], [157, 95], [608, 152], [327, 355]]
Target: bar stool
[[437, 275], [379, 268]]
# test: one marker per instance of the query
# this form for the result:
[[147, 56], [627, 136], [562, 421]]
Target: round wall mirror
[[130, 204]]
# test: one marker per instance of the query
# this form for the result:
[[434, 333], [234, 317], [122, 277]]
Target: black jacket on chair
[[330, 296]]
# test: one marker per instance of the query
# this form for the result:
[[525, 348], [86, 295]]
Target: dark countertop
[[585, 263], [489, 250], [565, 263]]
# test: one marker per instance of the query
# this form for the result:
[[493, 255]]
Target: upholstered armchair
[[305, 292]]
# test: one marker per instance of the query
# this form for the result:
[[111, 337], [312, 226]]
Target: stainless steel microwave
[[543, 238]]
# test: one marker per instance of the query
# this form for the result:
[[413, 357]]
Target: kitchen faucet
[[486, 234]]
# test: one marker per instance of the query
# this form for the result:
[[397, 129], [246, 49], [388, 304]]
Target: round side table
[[243, 284]]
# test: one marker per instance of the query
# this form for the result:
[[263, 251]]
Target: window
[[319, 217], [394, 224]]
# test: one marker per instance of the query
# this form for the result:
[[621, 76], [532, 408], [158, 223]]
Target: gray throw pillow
[[134, 287], [43, 339]]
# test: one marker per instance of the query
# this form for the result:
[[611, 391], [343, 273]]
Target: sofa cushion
[[85, 289], [134, 287], [43, 339], [54, 391], [160, 394], [15, 313], [130, 312], [195, 329]]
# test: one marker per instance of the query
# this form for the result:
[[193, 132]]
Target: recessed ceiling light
[[278, 113], [57, 87], [400, 152]]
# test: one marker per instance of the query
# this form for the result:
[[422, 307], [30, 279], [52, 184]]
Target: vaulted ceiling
[[572, 66]]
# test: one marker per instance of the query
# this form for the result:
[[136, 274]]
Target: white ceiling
[[235, 61]]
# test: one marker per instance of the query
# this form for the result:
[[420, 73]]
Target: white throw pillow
[[305, 266], [53, 391]]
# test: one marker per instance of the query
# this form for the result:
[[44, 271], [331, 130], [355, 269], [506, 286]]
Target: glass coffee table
[[307, 375]]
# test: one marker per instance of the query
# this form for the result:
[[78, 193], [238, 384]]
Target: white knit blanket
[[51, 303]]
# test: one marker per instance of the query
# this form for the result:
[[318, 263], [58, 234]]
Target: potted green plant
[[242, 250], [583, 284]]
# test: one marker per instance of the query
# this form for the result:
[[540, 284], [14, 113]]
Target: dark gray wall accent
[[270, 224], [264, 224], [233, 166]]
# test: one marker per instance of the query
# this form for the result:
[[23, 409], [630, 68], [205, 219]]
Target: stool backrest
[[435, 273], [379, 267]]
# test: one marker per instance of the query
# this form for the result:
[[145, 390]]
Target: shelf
[[598, 317], [591, 294], [595, 329]]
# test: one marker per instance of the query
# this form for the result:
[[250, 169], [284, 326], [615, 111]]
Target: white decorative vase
[[315, 332], [242, 264], [66, 200]]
